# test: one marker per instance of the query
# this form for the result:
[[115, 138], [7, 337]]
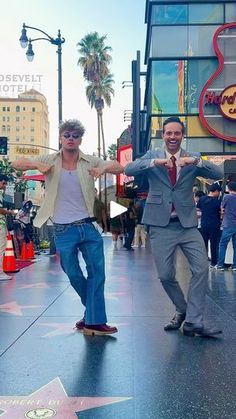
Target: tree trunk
[[99, 152], [103, 137], [104, 158], [99, 135]]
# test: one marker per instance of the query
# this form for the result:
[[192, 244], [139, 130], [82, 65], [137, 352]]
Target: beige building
[[24, 121]]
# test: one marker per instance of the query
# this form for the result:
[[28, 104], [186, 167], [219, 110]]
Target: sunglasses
[[68, 135]]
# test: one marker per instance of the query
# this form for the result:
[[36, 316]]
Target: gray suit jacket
[[162, 194]]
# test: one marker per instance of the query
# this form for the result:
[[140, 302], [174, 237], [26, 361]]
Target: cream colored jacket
[[85, 162]]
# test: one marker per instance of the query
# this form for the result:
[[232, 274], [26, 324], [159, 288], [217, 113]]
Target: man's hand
[[185, 161], [96, 172], [12, 212], [163, 162]]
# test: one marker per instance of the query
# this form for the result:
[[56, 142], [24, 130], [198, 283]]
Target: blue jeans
[[227, 234], [70, 238], [129, 238], [52, 249]]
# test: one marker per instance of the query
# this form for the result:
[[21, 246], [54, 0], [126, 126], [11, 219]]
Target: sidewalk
[[48, 369]]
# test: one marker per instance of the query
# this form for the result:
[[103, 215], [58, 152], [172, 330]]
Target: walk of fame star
[[14, 308], [65, 329], [50, 401], [37, 285]]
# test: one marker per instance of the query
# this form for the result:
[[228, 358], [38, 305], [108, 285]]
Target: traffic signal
[[3, 146]]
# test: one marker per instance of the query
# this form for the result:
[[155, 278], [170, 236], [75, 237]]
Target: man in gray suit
[[171, 214]]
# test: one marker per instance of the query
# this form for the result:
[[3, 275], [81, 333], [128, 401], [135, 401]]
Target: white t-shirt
[[70, 204]]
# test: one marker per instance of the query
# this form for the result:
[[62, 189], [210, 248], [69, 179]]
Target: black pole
[[59, 52], [58, 41], [136, 106]]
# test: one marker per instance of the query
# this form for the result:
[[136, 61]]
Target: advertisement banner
[[124, 156]]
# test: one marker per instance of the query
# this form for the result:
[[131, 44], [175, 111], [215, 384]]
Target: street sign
[[3, 146]]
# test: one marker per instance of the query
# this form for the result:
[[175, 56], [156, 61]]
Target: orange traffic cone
[[30, 250], [9, 260], [23, 255]]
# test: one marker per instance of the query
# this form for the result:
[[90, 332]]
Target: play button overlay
[[116, 209]]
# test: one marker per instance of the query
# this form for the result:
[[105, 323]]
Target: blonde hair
[[72, 125]]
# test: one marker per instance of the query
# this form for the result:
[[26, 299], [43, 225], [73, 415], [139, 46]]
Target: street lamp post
[[27, 42]]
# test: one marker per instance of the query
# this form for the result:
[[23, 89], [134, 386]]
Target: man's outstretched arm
[[24, 164]]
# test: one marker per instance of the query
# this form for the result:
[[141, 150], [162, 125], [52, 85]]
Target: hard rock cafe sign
[[217, 104], [226, 101]]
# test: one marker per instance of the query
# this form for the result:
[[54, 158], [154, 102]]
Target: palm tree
[[99, 94], [112, 152], [94, 60], [95, 56]]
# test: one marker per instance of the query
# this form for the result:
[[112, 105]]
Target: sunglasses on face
[[68, 135]]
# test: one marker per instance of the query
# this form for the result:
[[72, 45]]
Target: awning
[[39, 178]]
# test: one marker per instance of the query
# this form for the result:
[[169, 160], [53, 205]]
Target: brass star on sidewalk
[[49, 401]]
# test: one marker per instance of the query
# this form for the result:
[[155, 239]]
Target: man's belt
[[78, 222]]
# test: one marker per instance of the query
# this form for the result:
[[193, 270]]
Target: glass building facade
[[181, 59]]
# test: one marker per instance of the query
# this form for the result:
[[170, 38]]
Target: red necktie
[[173, 171]]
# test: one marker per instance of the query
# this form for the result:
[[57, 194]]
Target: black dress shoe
[[176, 322], [189, 329]]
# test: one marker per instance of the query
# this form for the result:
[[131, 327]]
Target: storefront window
[[198, 73], [189, 41], [200, 40], [204, 145], [156, 126], [166, 15], [221, 125], [227, 44], [194, 127], [206, 13], [177, 85], [230, 13], [168, 87], [163, 44], [225, 78]]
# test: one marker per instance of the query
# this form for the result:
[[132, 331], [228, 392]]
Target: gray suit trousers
[[164, 241]]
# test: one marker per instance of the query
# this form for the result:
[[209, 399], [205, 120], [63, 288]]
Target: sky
[[123, 23]]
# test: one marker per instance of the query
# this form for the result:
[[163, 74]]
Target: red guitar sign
[[217, 103]]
